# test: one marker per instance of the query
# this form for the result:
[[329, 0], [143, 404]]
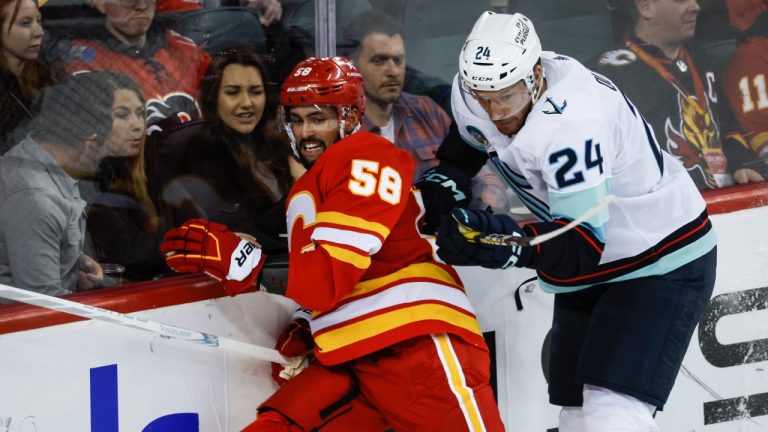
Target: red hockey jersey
[[746, 86], [358, 260], [168, 69]]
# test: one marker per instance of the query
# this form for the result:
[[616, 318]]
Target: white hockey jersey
[[582, 140]]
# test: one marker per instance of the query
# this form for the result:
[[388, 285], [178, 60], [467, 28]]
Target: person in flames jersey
[[396, 341]]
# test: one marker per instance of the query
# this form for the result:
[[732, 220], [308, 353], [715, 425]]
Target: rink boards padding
[[62, 373]]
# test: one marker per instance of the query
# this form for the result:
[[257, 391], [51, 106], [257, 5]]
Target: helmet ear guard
[[500, 51]]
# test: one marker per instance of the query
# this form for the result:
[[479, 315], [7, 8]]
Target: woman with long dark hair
[[237, 165], [122, 221]]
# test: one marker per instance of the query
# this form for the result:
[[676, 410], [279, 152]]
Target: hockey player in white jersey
[[632, 281]]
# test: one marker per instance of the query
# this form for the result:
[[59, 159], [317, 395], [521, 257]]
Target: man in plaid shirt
[[414, 123]]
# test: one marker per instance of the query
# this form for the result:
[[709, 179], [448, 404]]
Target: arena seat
[[217, 29]]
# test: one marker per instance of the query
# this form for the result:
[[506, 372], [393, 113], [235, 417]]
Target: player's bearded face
[[315, 128]]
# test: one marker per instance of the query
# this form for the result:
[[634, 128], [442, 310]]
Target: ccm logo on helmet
[[477, 78], [522, 32]]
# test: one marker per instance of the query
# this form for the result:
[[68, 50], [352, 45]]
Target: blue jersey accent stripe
[[515, 178], [664, 265], [570, 205]]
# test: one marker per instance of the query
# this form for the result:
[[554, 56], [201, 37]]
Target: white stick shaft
[[97, 313], [587, 214], [515, 239]]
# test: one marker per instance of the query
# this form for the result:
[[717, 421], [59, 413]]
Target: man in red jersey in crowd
[[167, 66], [396, 340]]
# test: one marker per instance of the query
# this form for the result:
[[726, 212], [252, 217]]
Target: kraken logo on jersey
[[556, 109], [696, 142]]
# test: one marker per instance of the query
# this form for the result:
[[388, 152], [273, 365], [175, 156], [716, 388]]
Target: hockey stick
[[518, 240], [164, 330]]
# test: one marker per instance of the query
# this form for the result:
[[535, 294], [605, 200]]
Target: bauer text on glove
[[202, 246]]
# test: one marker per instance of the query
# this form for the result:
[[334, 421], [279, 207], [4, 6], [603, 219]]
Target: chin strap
[[289, 131]]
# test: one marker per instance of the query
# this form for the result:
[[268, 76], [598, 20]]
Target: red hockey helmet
[[324, 81]]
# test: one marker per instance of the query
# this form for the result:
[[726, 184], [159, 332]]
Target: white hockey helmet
[[500, 50]]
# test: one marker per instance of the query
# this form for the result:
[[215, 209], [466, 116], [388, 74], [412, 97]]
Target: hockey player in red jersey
[[396, 340]]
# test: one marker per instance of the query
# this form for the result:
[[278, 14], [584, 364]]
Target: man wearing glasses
[[167, 66]]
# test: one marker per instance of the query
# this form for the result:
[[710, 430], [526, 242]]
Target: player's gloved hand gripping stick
[[518, 239], [295, 342], [477, 237]]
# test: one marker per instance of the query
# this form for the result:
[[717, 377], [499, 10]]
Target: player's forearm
[[453, 150], [317, 281], [575, 252]]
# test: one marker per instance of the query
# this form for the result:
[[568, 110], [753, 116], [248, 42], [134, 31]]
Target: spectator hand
[[442, 188], [202, 246], [746, 175], [295, 343], [270, 11], [91, 274], [459, 248]]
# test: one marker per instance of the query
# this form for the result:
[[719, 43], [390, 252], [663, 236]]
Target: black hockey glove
[[442, 188], [459, 248]]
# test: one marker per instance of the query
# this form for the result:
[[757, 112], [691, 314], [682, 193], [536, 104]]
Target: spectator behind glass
[[414, 123], [672, 82], [122, 221], [22, 75], [269, 11], [42, 216], [745, 80], [236, 169], [168, 67]]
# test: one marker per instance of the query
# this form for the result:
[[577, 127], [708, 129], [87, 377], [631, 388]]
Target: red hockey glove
[[294, 342], [202, 246]]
